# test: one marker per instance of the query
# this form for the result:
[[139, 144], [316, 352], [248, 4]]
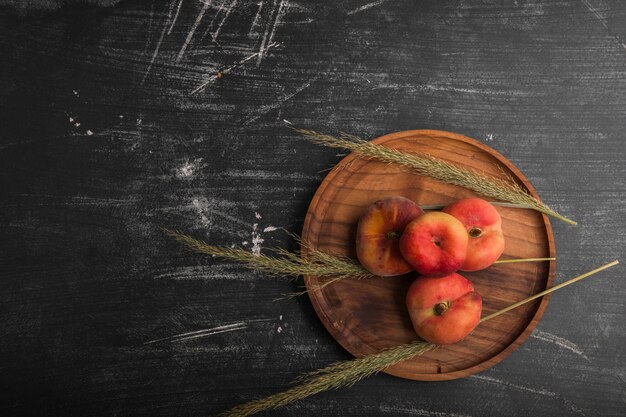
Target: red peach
[[484, 229], [378, 234], [443, 310], [435, 244]]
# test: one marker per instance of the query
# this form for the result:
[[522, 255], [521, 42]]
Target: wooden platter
[[367, 316]]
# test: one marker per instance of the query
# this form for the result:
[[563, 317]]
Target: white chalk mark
[[514, 386], [217, 271], [191, 32], [394, 410], [202, 208], [229, 217], [366, 6], [158, 45], [536, 391], [559, 341], [268, 26], [265, 34], [185, 171], [603, 21], [440, 87], [189, 168], [44, 200], [207, 210], [217, 13], [258, 174], [207, 332], [219, 27], [256, 240], [219, 74], [266, 109], [180, 3], [150, 21], [433, 87], [210, 25], [256, 18], [257, 215], [282, 8], [89, 132], [270, 229]]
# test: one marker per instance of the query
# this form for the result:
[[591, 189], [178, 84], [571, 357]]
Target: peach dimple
[[483, 224], [435, 244]]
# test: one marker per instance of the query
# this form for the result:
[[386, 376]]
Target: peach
[[378, 234], [443, 310], [434, 244], [484, 229]]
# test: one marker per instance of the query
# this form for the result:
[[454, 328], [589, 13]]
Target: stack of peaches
[[395, 236]]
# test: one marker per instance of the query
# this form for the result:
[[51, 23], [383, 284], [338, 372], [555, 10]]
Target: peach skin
[[378, 234], [484, 230], [443, 310], [435, 244]]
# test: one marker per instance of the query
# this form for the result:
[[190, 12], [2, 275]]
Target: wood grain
[[367, 316]]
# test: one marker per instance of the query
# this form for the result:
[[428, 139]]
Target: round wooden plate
[[367, 316]]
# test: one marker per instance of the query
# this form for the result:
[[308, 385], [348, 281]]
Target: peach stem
[[512, 261], [548, 291], [493, 203], [393, 235], [441, 308]]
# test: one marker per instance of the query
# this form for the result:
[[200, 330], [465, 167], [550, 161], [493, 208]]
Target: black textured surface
[[102, 142]]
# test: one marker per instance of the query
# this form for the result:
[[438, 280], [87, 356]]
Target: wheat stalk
[[505, 190], [341, 374], [287, 263], [347, 373], [316, 262]]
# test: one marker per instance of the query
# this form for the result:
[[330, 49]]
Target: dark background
[[102, 142]]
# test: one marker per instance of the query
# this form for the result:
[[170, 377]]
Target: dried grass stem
[[338, 375], [505, 190], [347, 373]]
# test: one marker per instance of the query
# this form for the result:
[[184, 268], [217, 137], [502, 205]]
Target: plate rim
[[534, 321]]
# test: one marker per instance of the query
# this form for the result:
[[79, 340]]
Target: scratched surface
[[120, 117]]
